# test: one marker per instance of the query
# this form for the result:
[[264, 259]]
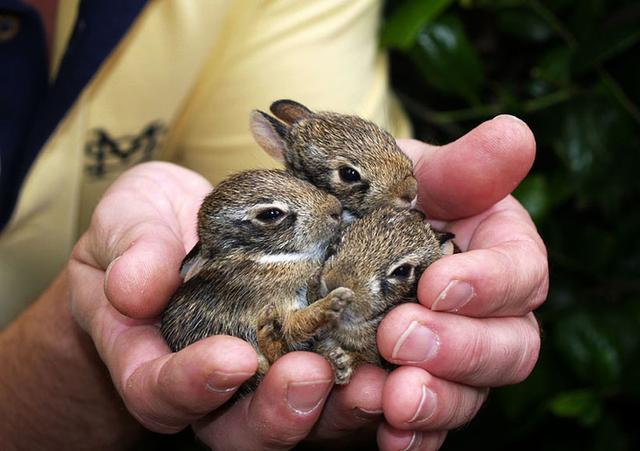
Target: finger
[[279, 414], [164, 391], [484, 352], [141, 235], [503, 273], [353, 406], [471, 174], [413, 399], [392, 439], [176, 389]]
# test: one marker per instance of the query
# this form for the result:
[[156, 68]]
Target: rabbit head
[[347, 156], [380, 258], [267, 212]]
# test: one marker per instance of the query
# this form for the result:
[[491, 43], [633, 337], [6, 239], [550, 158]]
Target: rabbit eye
[[270, 215], [349, 175], [403, 271]]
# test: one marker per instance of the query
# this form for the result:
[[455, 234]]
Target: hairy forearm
[[55, 392]]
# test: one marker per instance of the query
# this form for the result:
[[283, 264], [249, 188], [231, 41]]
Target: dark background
[[571, 70]]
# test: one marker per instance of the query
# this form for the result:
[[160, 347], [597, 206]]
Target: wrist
[[54, 389]]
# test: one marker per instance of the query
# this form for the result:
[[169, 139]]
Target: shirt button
[[9, 26]]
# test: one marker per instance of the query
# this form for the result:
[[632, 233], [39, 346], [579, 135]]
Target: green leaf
[[582, 138], [447, 59], [604, 46], [523, 25], [589, 350], [534, 195], [402, 27], [554, 66], [582, 405]]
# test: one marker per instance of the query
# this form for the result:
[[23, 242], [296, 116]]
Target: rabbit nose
[[408, 194], [406, 202]]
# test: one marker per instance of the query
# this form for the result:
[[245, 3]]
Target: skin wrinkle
[[534, 278], [160, 210], [528, 359], [481, 228], [184, 223], [474, 228], [148, 419], [474, 363], [474, 402]]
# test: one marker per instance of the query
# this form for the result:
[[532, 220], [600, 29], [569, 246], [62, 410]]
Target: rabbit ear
[[290, 111], [417, 214], [192, 263], [447, 247], [269, 133]]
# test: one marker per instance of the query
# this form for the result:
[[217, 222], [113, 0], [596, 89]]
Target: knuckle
[[529, 354], [462, 407], [475, 365], [156, 425], [472, 404], [541, 284], [277, 439], [528, 286]]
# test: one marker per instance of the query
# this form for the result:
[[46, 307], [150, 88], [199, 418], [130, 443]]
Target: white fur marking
[[301, 298], [347, 217], [374, 285], [284, 258], [316, 253]]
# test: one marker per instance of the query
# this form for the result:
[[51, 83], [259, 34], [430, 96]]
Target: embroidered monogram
[[106, 153]]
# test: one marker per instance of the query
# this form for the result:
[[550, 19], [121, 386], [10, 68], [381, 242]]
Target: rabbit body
[[266, 284], [380, 258], [263, 237]]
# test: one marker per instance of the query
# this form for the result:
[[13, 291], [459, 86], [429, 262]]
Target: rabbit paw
[[340, 298], [269, 334], [342, 365]]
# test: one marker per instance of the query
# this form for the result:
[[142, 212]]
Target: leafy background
[[571, 70]]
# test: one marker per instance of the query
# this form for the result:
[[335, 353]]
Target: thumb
[[139, 282], [469, 175], [140, 232]]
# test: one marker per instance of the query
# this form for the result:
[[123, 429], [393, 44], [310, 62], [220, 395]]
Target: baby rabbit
[[263, 237], [380, 258], [347, 156]]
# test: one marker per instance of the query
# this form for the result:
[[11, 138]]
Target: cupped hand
[[473, 327], [123, 272]]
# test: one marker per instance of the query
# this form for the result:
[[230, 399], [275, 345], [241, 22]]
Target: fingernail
[[305, 397], [511, 117], [108, 271], [414, 442], [455, 296], [221, 382], [426, 406], [416, 344]]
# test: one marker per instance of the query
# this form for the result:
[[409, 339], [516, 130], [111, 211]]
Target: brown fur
[[230, 279], [366, 256], [275, 306], [316, 146]]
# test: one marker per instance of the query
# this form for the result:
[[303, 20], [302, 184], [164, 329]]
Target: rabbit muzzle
[[405, 194]]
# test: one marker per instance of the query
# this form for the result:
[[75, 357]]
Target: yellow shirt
[[188, 73]]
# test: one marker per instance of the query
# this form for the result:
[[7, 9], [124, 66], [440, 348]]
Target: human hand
[[473, 327], [122, 273]]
